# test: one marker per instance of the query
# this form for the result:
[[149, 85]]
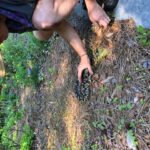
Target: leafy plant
[[65, 148], [103, 89], [51, 70], [123, 107], [132, 124], [102, 53], [22, 70], [121, 124], [143, 36], [99, 124], [21, 54], [94, 147], [26, 139], [131, 140]]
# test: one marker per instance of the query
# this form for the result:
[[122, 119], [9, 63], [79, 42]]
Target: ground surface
[[117, 114], [120, 93]]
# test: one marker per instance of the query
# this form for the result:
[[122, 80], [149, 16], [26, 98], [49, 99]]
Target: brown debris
[[124, 64], [2, 68]]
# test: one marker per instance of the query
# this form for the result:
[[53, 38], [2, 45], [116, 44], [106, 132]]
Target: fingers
[[104, 21], [84, 64], [90, 70], [80, 73]]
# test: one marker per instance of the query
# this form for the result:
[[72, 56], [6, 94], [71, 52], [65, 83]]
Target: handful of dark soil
[[82, 90]]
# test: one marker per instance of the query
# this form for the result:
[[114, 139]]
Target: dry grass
[[2, 68], [74, 123], [120, 76]]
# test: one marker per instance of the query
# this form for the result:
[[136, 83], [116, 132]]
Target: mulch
[[119, 59]]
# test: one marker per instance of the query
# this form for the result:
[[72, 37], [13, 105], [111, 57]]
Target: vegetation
[[26, 139], [143, 36], [65, 148], [20, 53]]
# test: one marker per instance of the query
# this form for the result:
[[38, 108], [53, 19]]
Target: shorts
[[25, 7], [19, 14]]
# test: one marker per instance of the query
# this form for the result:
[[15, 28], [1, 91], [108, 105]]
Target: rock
[[136, 9]]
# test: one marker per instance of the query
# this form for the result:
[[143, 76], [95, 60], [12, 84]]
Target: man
[[43, 17]]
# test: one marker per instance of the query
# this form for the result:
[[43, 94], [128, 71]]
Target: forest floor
[[116, 116]]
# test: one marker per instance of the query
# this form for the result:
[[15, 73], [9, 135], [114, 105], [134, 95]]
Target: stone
[[136, 9]]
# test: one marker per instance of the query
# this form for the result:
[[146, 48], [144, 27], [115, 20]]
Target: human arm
[[96, 13], [71, 36]]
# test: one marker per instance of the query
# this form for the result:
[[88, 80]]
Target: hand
[[97, 14], [84, 64]]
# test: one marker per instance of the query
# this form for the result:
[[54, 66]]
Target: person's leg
[[43, 35], [49, 12]]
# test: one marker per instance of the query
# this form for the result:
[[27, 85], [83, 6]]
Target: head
[[3, 29]]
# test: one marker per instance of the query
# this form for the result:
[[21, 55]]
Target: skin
[[96, 13], [53, 19], [3, 29]]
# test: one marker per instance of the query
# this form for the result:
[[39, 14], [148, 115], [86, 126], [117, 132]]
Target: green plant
[[143, 36], [87, 134], [26, 139], [115, 100], [22, 57], [22, 70], [99, 124], [123, 107], [51, 70], [94, 147], [65, 148], [142, 101], [103, 89], [8, 133], [132, 124], [102, 53], [121, 124], [131, 140]]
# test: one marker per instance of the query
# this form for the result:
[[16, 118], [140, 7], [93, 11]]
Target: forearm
[[71, 36], [89, 1]]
